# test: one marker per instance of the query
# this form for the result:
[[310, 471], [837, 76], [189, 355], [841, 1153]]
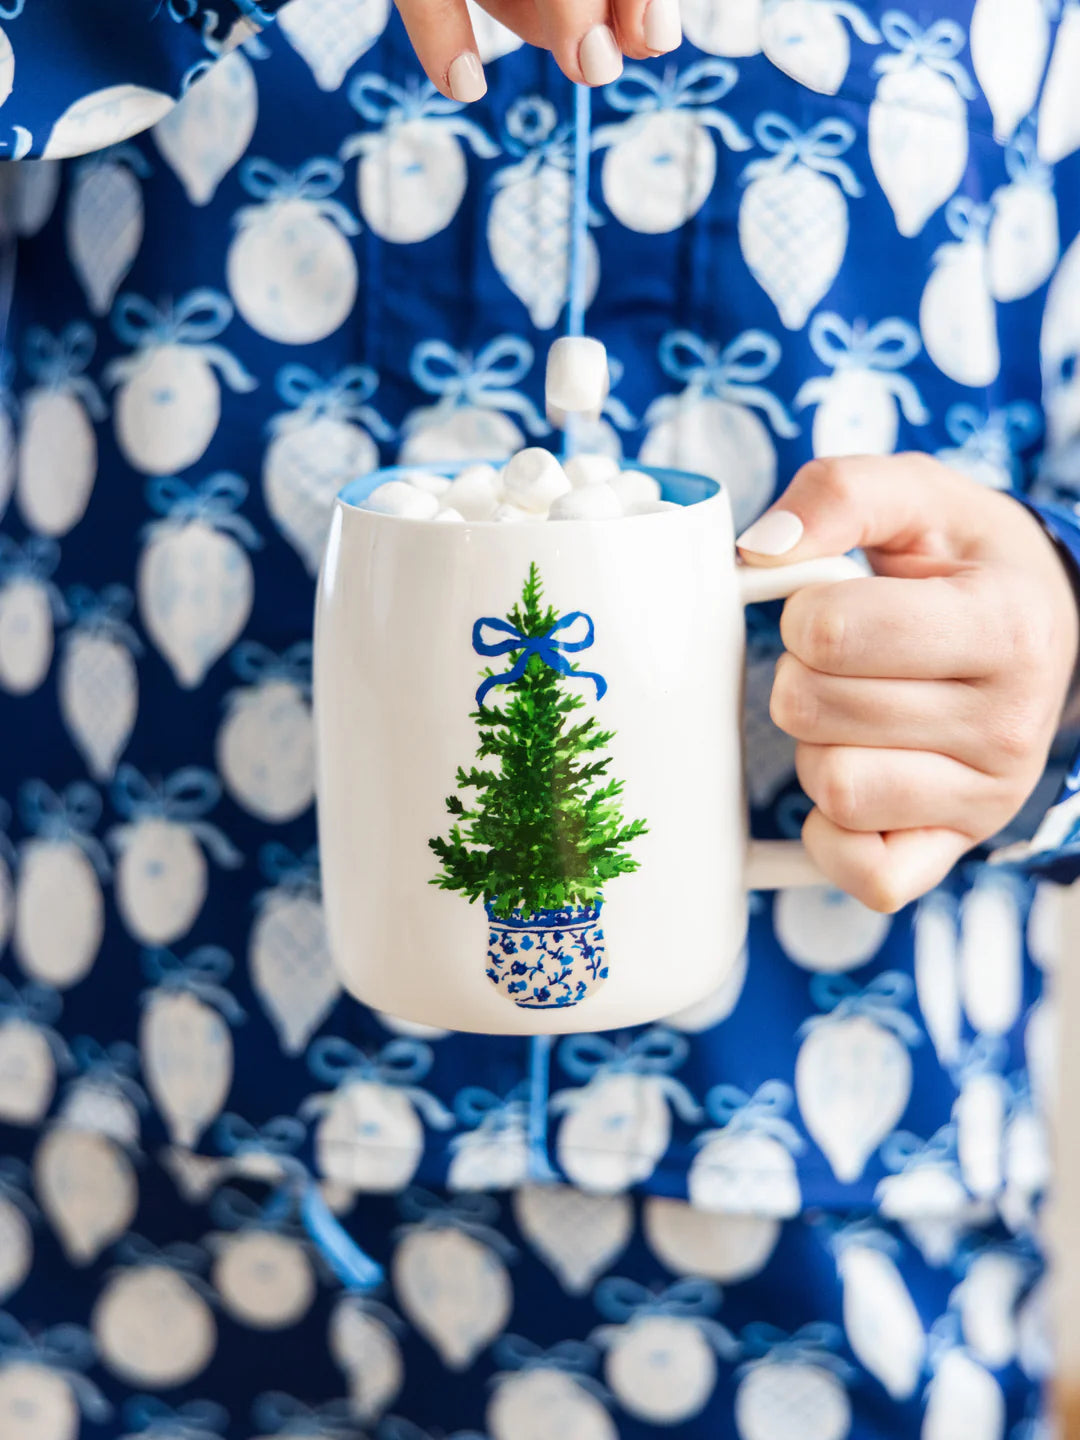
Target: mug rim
[[355, 491]]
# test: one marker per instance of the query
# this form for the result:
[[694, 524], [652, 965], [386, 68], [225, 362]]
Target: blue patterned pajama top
[[249, 256]]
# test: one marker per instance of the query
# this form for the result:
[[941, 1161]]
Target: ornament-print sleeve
[[1054, 850], [74, 79]]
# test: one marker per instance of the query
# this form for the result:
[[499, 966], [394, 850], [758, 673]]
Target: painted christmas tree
[[538, 826]]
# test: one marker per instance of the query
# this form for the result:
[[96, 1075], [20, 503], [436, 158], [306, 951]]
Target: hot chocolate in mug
[[532, 809]]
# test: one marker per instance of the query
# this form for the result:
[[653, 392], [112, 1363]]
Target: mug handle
[[785, 864]]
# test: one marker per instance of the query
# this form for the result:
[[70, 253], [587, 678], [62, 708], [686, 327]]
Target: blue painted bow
[[546, 647]]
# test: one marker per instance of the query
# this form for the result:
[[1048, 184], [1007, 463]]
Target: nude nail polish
[[662, 27], [774, 534], [599, 56], [466, 77]]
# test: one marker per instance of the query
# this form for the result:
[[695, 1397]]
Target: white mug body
[[396, 684]]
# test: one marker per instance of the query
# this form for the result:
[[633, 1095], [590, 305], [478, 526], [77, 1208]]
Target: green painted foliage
[[538, 824]]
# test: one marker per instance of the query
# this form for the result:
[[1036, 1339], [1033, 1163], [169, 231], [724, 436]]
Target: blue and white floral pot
[[547, 959]]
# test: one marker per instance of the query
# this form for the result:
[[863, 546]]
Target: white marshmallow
[[533, 478], [398, 497], [436, 485], [515, 515], [453, 517], [589, 502], [651, 507], [633, 487], [577, 379], [590, 469], [474, 493]]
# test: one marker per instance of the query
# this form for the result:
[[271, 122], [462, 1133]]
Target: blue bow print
[[552, 651]]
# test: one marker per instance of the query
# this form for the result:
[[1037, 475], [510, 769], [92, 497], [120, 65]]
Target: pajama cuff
[[1053, 852]]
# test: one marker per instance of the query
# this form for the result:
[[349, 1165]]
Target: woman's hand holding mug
[[924, 699]]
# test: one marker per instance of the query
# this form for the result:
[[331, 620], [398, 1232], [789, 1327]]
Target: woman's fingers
[[887, 871], [442, 36], [579, 34], [881, 790], [647, 27]]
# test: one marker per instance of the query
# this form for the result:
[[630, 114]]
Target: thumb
[[897, 503]]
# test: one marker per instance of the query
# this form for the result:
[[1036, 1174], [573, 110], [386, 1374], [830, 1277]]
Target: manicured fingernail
[[662, 27], [774, 534], [466, 78], [599, 56]]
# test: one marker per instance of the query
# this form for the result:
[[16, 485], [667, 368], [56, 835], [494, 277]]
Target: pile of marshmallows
[[533, 485]]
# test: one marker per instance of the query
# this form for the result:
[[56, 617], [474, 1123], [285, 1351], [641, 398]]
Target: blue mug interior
[[678, 486]]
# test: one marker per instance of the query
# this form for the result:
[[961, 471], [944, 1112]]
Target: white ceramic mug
[[589, 911]]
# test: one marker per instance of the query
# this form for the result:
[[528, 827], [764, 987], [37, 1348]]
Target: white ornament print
[[476, 397], [957, 315], [58, 455], [926, 1194], [493, 1152], [882, 1324], [265, 746], [59, 908], [805, 39], [362, 1338], [859, 405], [30, 1051], [1023, 244], [617, 1127], [331, 35], [661, 1352], [292, 972], [824, 930], [793, 218], [105, 117], [43, 1393], [1010, 40], [540, 1393], [964, 1401], [211, 127], [937, 974], [987, 1300], [1059, 109], [853, 1072], [988, 446], [979, 1112], [711, 428], [184, 1039], [17, 1212], [263, 1276], [661, 163], [412, 174], [194, 580], [97, 682], [370, 1136], [449, 1275], [161, 875], [991, 962], [529, 223], [151, 1323], [733, 29], [318, 445], [290, 268], [918, 121], [104, 223], [746, 1166], [726, 1248], [29, 603], [87, 1187], [578, 1235], [793, 1387], [168, 405]]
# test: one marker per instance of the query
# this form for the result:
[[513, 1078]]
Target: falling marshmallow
[[577, 379]]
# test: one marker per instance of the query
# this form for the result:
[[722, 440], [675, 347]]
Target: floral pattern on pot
[[547, 959]]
